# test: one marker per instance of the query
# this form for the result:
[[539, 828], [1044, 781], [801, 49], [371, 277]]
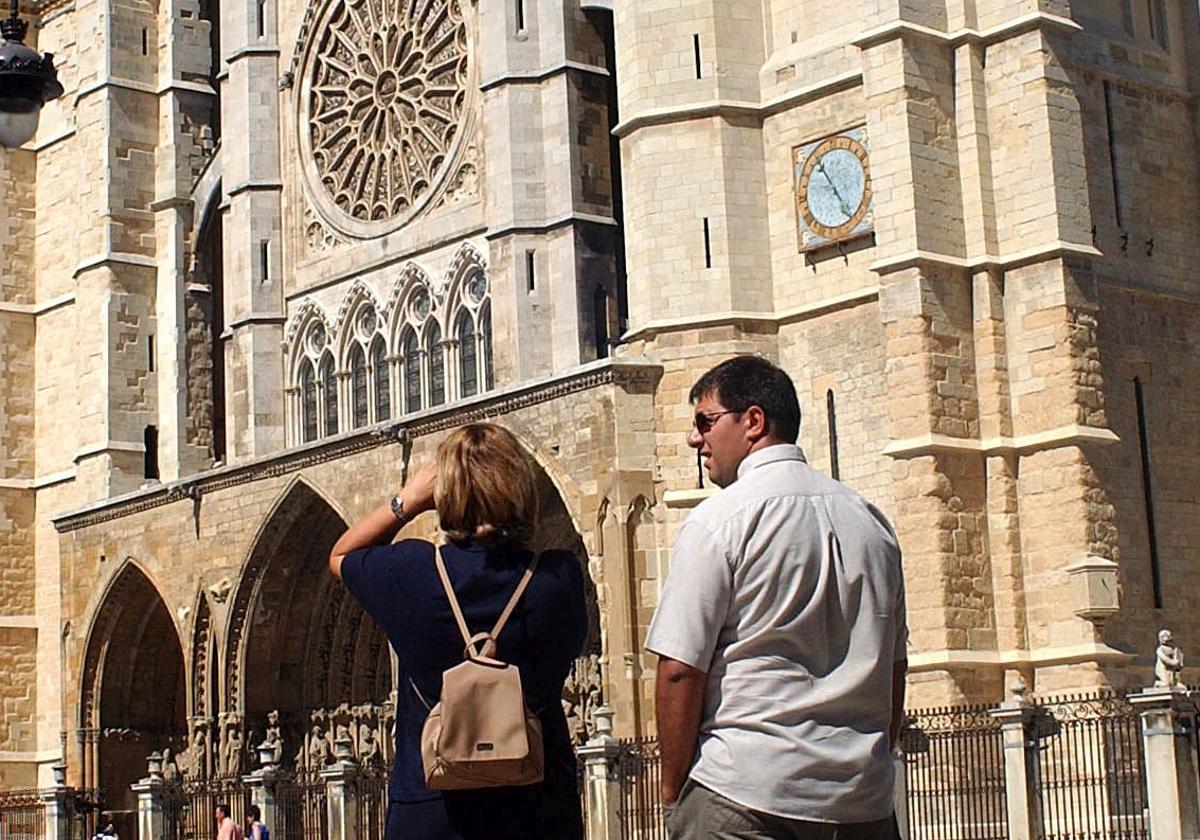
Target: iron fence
[[639, 769], [302, 811], [370, 802], [1091, 771], [189, 807], [954, 775], [22, 815]]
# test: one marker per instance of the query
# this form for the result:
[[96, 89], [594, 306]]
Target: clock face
[[833, 189]]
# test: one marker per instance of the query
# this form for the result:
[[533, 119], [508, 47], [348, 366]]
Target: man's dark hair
[[254, 812], [743, 381], [223, 807]]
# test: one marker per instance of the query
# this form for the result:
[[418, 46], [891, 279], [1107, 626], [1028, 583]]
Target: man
[[781, 634], [227, 829]]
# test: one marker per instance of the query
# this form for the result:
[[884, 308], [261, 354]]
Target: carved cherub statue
[[1168, 662]]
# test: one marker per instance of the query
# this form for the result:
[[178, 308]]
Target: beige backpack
[[481, 734]]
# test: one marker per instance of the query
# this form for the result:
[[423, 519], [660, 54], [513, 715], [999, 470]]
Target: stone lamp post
[[27, 82]]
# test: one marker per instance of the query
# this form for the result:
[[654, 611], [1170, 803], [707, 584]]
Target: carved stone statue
[[233, 752], [170, 768], [1168, 662], [273, 738], [318, 747], [368, 746]]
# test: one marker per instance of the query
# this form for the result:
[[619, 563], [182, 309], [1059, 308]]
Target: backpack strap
[[488, 640]]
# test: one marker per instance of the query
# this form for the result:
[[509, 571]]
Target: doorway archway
[[134, 699]]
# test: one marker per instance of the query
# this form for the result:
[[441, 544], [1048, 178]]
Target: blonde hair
[[486, 486]]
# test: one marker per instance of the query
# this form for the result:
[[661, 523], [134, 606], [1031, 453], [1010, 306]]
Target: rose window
[[385, 100]]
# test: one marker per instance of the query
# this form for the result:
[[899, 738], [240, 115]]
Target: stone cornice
[[255, 185], [113, 258], [1041, 253], [546, 225], [250, 50], [1074, 435], [428, 422], [954, 660], [35, 309], [541, 74], [803, 312], [1017, 26], [734, 109]]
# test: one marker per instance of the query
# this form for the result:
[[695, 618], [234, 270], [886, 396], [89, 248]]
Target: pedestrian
[[780, 632], [485, 491], [109, 832], [256, 829], [227, 829]]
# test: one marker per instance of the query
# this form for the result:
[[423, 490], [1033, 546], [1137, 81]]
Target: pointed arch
[[467, 260], [359, 399], [357, 297], [301, 525], [295, 346], [204, 700], [133, 694], [308, 401], [411, 278], [487, 369], [468, 354]]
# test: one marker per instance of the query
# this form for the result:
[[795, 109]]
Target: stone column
[[600, 781], [58, 805], [1017, 718], [262, 793], [339, 790], [150, 817], [1168, 723]]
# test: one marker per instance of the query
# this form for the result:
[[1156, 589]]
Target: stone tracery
[[386, 101]]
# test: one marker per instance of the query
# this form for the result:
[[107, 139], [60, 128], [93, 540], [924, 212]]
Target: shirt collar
[[769, 455]]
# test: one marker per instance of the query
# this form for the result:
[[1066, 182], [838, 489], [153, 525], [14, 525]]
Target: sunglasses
[[704, 422]]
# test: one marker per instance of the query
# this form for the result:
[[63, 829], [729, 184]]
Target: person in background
[[256, 829], [781, 634], [227, 829]]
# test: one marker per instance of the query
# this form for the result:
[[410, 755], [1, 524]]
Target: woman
[[484, 489]]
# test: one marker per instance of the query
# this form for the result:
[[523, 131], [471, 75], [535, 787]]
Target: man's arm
[[899, 672], [679, 697]]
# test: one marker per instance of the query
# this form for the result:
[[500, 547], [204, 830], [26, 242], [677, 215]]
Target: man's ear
[[757, 426]]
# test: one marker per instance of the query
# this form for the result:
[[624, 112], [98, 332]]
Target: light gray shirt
[[786, 588]]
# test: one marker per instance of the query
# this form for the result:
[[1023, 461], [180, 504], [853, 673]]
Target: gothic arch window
[[436, 353], [308, 402], [329, 396], [382, 386], [358, 386], [411, 350], [485, 344], [468, 355]]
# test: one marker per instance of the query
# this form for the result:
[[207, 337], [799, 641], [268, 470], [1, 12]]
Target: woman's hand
[[380, 526], [418, 492]]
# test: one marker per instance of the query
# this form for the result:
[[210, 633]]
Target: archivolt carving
[[388, 83]]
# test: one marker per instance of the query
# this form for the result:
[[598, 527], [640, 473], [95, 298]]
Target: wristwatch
[[398, 509]]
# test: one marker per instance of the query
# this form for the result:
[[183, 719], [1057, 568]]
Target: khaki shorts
[[701, 814]]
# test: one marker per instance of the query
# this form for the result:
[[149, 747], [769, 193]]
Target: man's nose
[[694, 438]]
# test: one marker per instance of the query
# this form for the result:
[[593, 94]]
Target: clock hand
[[845, 208]]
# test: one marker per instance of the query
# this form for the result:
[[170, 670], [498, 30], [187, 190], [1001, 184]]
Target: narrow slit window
[[150, 439], [696, 51], [707, 245], [600, 314], [1148, 492], [145, 41], [1127, 14], [1110, 122], [1158, 23], [261, 17], [520, 16], [264, 259], [150, 353], [831, 417], [531, 269]]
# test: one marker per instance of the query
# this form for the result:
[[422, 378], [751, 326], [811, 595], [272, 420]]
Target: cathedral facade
[[263, 253]]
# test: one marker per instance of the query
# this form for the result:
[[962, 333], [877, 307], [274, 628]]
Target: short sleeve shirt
[[786, 588], [398, 586]]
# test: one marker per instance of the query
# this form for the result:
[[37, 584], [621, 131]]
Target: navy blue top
[[398, 586]]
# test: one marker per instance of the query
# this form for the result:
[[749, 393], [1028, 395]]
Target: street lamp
[[27, 82]]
